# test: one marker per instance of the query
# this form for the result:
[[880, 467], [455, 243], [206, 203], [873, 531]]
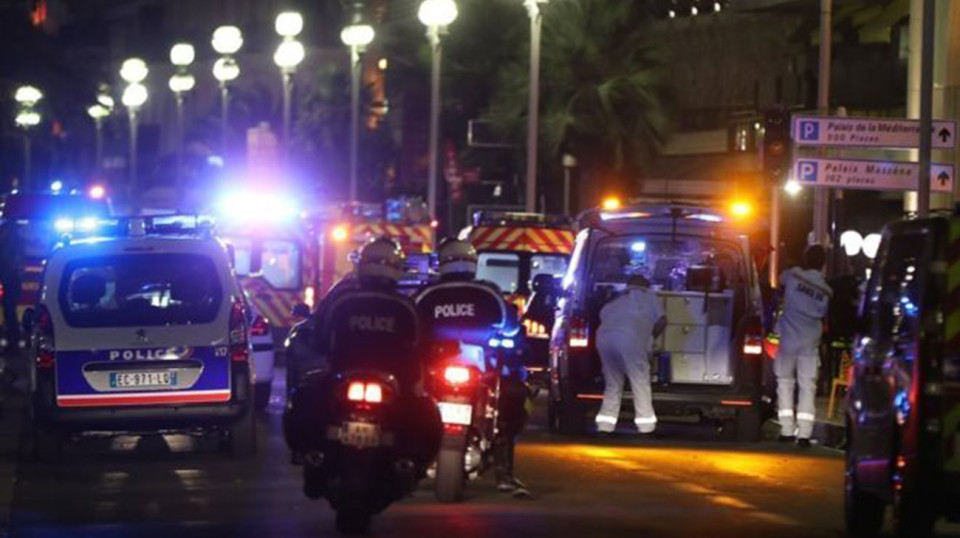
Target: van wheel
[[243, 437], [261, 395], [571, 417], [47, 445], [748, 425]]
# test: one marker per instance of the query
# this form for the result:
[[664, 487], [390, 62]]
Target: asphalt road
[[683, 485]]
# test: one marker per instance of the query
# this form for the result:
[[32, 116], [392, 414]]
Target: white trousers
[[623, 356], [797, 365]]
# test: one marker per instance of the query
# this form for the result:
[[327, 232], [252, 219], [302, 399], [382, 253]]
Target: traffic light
[[776, 145]]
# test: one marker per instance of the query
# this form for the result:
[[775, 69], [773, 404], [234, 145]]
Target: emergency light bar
[[517, 218], [174, 224]]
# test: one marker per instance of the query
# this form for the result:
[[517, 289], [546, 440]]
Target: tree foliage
[[601, 97]]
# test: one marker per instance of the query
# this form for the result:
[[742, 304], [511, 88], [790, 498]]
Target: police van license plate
[[360, 434], [128, 380], [453, 413]]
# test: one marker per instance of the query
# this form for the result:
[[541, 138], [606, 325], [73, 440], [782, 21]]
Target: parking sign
[[809, 130], [807, 171]]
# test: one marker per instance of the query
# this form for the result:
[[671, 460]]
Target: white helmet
[[381, 258], [457, 257]]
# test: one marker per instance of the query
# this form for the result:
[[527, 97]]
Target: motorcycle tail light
[[359, 391], [355, 391], [456, 375]]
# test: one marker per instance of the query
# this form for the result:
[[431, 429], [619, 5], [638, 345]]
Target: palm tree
[[601, 98]]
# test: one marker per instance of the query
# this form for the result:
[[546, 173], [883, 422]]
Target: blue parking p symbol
[[807, 171], [810, 130]]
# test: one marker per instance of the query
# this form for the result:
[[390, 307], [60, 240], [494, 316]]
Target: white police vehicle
[[144, 331]]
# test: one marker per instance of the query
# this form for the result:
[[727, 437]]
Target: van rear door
[[142, 329]]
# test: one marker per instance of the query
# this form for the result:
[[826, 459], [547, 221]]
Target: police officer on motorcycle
[[365, 324], [461, 308]]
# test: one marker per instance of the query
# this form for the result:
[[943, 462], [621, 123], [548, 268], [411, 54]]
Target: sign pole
[[926, 107], [821, 196]]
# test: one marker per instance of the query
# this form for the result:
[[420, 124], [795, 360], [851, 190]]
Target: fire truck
[[293, 257], [517, 250], [405, 220]]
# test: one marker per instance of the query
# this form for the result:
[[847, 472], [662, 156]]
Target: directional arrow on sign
[[944, 135], [943, 178]]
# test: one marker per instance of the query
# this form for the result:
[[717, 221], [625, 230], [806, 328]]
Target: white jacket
[[630, 318], [806, 298]]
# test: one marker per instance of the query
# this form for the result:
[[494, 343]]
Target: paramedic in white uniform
[[628, 325], [806, 297]]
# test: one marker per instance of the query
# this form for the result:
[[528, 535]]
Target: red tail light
[[579, 332], [753, 339], [456, 375], [239, 349], [46, 359], [359, 391], [260, 326]]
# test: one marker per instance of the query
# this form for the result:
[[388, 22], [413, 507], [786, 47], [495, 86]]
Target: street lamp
[[181, 82], [226, 41], [356, 36], [533, 112], [134, 96], [436, 15], [27, 118], [569, 163], [289, 54]]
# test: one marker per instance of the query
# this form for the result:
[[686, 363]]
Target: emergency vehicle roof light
[[611, 203], [517, 218]]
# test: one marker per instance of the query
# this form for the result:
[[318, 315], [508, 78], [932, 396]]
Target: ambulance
[[517, 251]]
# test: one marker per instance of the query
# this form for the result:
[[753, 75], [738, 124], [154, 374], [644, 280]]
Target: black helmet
[[457, 258]]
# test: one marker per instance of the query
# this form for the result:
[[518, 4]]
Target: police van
[[144, 331], [709, 359]]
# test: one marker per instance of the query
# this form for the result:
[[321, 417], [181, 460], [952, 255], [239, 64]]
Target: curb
[[830, 434]]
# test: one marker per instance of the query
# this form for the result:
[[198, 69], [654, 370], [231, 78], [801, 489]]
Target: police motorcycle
[[366, 431], [471, 337]]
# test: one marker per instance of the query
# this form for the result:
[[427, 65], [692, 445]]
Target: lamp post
[[226, 41], [27, 118], [134, 71], [436, 15], [356, 36], [181, 82], [289, 54], [98, 113], [533, 112], [569, 163]]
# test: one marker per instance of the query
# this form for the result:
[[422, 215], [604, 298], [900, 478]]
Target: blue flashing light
[[639, 246], [87, 224], [63, 225], [215, 160], [56, 186], [494, 343], [507, 343]]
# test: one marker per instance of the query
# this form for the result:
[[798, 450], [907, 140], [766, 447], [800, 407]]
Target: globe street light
[[181, 82], [533, 107], [27, 118], [134, 96], [289, 54], [289, 24], [134, 70], [436, 15], [98, 113], [356, 36], [227, 40]]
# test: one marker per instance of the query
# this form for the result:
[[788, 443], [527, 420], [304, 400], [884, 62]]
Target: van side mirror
[[300, 311]]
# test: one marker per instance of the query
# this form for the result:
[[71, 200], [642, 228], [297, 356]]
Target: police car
[[710, 356], [144, 331]]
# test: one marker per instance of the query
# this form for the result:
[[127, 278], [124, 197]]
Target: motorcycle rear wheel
[[353, 520], [450, 475]]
